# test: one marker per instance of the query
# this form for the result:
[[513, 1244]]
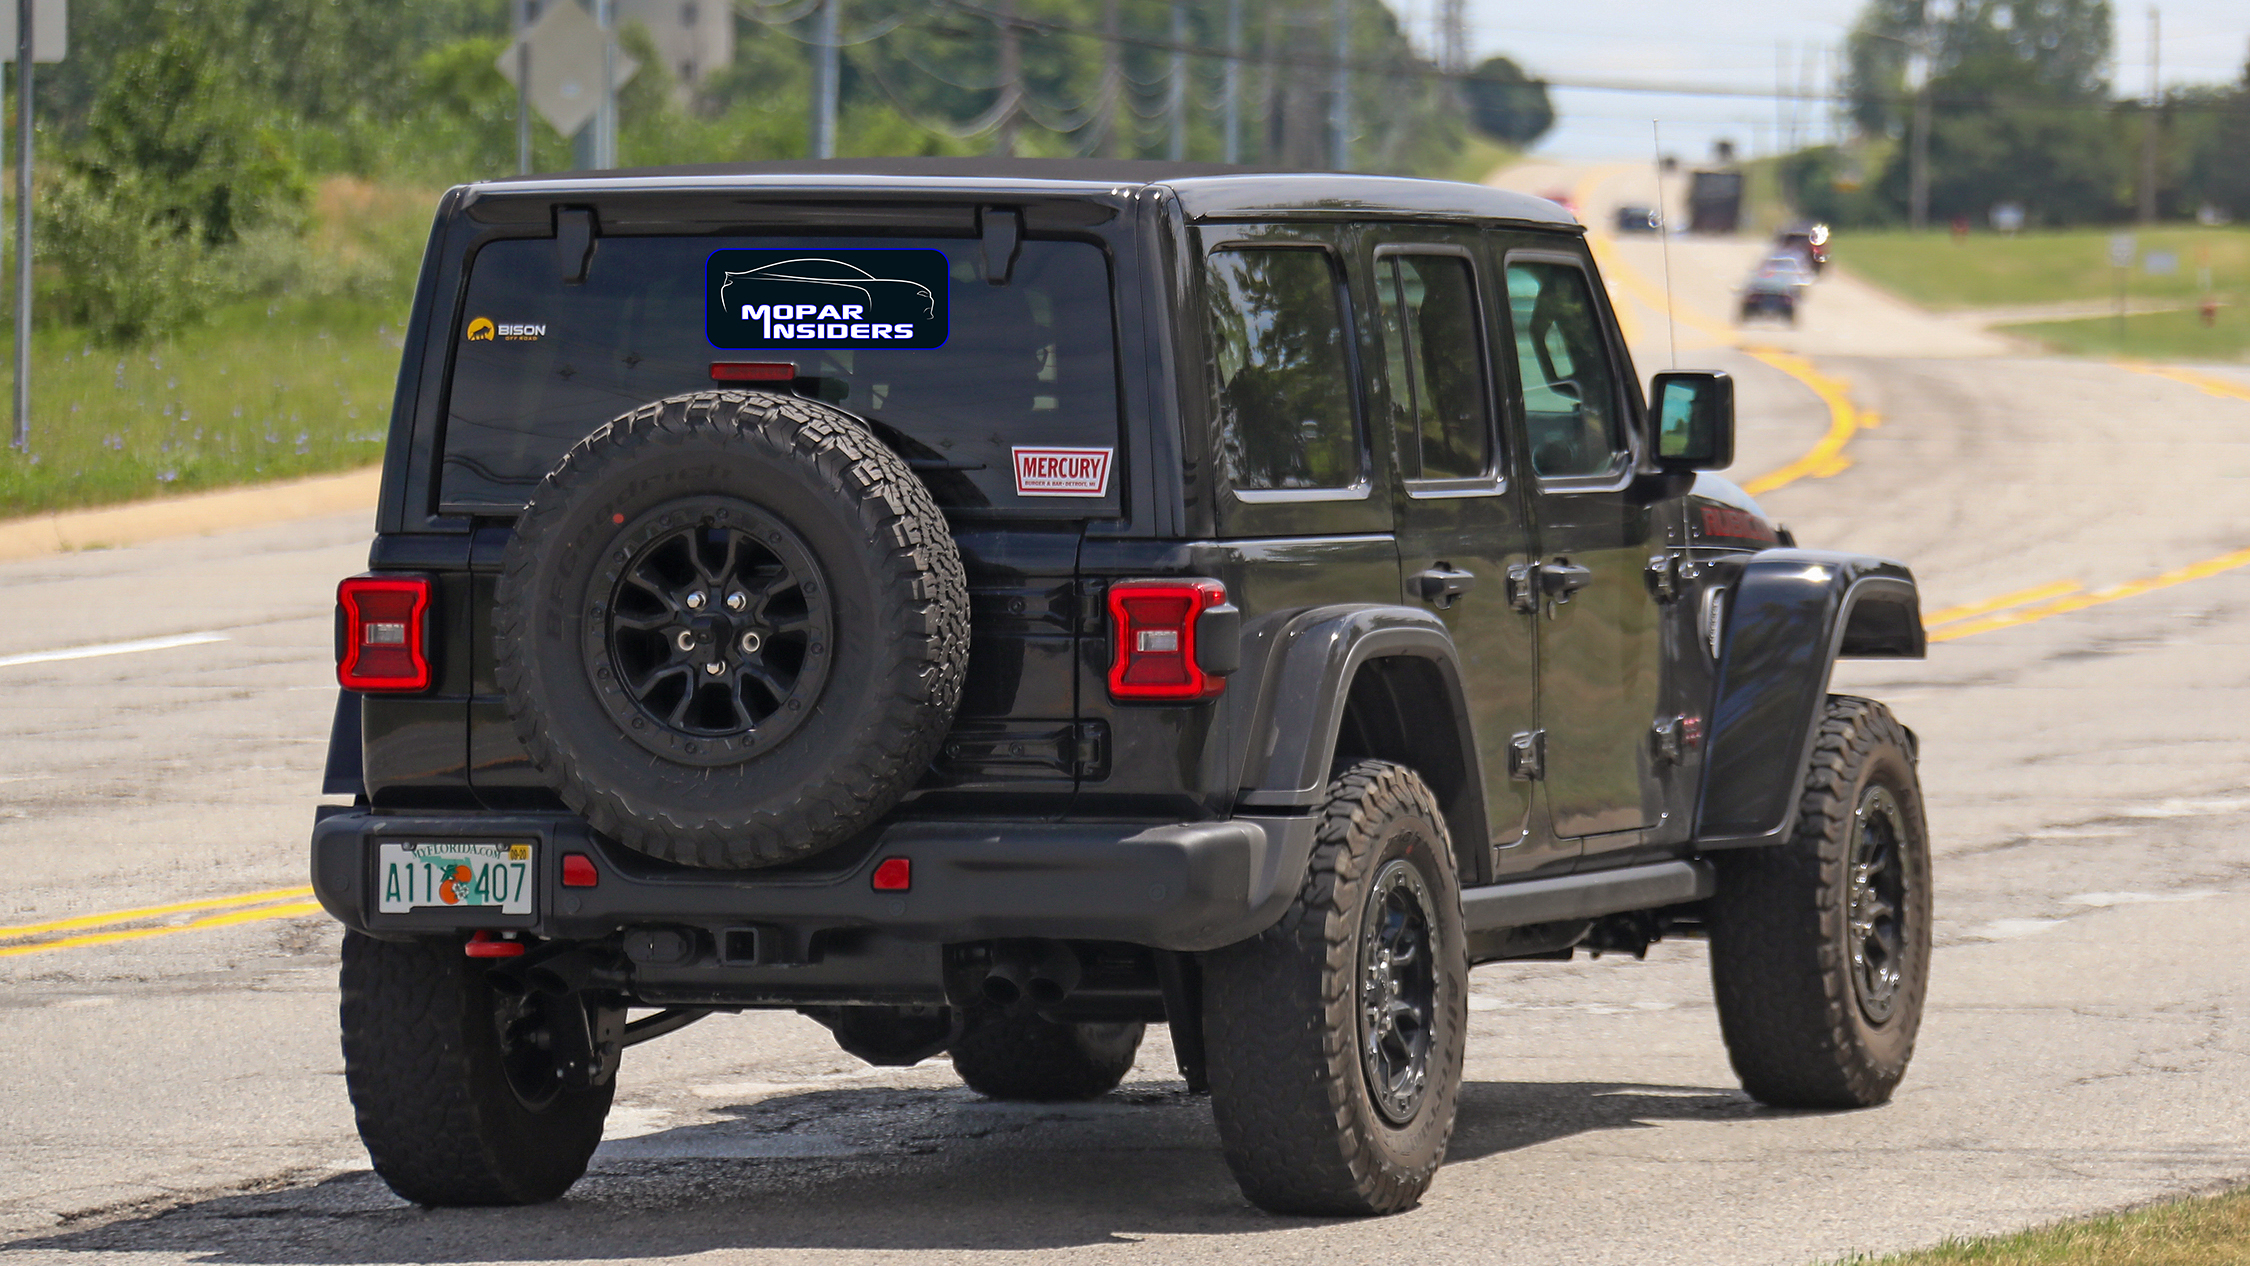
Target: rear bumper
[[1179, 886]]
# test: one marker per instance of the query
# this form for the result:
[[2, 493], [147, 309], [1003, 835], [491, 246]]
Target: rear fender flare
[[1306, 691], [1790, 614]]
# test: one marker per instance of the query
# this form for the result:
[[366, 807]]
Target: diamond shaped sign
[[566, 66]]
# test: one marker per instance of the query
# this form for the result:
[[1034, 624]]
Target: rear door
[[1460, 516], [1599, 649]]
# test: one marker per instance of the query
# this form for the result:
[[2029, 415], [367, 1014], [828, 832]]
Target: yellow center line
[[2225, 388], [2019, 598], [2081, 601], [229, 919], [1844, 421], [150, 912]]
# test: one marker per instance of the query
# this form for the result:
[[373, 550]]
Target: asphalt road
[[178, 1096]]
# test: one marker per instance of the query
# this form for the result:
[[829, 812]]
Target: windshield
[[955, 373]]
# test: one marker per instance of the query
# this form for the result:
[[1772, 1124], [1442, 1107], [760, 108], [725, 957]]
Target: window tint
[[1436, 357], [1569, 390], [1030, 363], [1284, 388]]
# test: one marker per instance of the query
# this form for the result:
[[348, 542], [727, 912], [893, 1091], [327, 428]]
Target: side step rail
[[1586, 896]]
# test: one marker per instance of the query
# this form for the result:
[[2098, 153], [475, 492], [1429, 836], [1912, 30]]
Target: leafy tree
[[1508, 105]]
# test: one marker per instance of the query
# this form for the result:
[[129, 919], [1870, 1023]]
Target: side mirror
[[1694, 414]]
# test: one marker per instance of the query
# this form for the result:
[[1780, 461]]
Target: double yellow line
[[115, 925], [2063, 596]]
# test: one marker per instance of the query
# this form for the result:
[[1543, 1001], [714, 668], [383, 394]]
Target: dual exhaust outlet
[[1030, 974]]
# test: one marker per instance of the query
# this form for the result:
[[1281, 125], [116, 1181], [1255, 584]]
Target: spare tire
[[731, 628]]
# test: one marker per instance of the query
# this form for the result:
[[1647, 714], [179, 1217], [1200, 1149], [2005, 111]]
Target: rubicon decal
[[1062, 472], [760, 300], [1739, 525]]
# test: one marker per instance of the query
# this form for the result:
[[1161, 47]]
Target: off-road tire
[[1796, 1027], [435, 1106], [1018, 1056], [1283, 1031], [895, 614]]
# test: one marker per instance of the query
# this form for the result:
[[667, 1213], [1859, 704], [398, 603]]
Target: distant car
[[1634, 219], [1774, 288], [1810, 241]]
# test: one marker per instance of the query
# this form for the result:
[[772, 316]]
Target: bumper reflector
[[894, 874], [579, 872]]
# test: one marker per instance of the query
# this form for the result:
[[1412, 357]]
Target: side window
[[1570, 398], [1284, 386], [1436, 357]]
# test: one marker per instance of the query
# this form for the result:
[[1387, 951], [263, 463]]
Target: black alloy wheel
[[1397, 990], [713, 642], [1877, 904]]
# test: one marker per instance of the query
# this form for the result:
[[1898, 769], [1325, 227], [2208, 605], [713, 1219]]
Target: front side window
[[1568, 388], [1284, 390], [1436, 359]]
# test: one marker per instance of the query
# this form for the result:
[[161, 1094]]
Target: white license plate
[[494, 877]]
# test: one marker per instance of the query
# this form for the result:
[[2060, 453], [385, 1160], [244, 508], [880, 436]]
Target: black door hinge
[[1527, 756], [1523, 587], [1669, 575], [1671, 738]]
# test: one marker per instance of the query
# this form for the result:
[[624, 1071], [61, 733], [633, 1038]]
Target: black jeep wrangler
[[988, 606]]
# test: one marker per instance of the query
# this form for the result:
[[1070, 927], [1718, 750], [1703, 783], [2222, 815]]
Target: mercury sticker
[[1062, 472], [771, 300]]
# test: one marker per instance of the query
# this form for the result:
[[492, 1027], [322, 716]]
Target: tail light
[[1161, 629], [382, 634]]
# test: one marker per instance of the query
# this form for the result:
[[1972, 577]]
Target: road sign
[[2161, 263], [566, 66], [2121, 249], [50, 29]]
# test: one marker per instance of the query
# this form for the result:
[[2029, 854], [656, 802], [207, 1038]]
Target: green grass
[[2153, 335], [296, 382], [2203, 1231], [1987, 270], [262, 391]]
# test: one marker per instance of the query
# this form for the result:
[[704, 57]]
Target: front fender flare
[[1791, 613]]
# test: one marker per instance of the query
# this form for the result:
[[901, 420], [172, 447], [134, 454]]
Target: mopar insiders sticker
[[770, 300], [1062, 472]]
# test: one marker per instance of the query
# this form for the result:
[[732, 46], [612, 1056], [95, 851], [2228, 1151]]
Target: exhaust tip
[[1002, 991], [1046, 992]]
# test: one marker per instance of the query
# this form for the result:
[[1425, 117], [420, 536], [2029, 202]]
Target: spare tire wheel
[[731, 628]]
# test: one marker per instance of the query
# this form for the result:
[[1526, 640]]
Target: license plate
[[454, 877]]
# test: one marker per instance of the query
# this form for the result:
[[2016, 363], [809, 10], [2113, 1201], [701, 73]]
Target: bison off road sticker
[[771, 300], [1062, 472]]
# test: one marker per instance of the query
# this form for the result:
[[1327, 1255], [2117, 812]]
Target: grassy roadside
[[2201, 1231], [294, 380], [2170, 335], [1987, 270]]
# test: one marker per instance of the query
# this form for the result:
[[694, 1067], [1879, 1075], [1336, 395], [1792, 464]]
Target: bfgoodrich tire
[[1334, 1038], [731, 628], [458, 1099], [1820, 948]]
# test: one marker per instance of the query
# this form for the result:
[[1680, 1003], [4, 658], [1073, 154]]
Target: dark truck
[[989, 606]]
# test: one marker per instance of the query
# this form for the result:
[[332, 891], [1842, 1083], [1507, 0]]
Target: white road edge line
[[111, 648]]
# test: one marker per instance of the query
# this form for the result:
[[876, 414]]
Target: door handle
[[1562, 578], [1441, 584]]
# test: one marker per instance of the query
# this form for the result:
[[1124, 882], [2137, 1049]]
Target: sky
[[1736, 44]]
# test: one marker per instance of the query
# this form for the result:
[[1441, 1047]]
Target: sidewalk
[[196, 515]]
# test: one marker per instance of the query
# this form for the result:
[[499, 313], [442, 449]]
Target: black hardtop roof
[[1205, 190]]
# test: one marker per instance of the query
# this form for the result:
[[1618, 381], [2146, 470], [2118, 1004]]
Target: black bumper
[[1181, 886]]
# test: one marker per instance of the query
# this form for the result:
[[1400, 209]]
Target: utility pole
[[1340, 92], [605, 119], [825, 73], [1918, 141], [1175, 88], [1011, 81], [1231, 118], [1113, 83], [523, 88], [23, 225], [1453, 36], [2148, 119]]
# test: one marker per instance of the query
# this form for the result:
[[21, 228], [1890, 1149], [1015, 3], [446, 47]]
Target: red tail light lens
[[383, 631], [1152, 627]]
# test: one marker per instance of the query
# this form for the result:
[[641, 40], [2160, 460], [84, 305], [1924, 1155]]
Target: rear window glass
[[1027, 366], [1284, 386]]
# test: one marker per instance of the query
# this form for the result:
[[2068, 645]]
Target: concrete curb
[[199, 514]]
